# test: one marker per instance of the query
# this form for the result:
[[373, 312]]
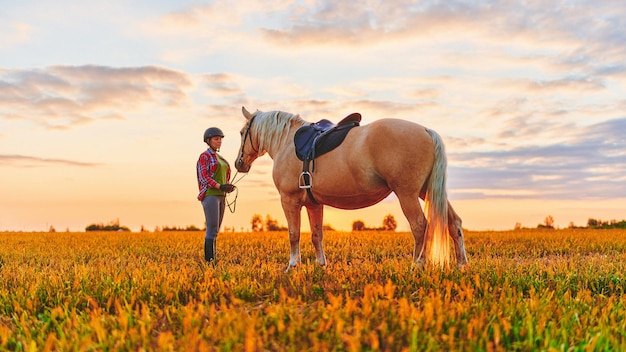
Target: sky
[[102, 106]]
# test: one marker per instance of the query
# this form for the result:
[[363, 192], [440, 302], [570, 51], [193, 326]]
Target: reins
[[232, 205]]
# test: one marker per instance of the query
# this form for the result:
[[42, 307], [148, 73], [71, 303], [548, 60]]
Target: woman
[[213, 174]]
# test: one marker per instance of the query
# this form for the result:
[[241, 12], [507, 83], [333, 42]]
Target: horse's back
[[396, 128], [390, 139], [377, 155]]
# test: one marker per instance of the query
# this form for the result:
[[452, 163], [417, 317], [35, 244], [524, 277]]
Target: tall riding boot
[[209, 250]]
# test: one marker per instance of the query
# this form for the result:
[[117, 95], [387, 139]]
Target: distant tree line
[[112, 226], [176, 228], [591, 224], [600, 224], [115, 226], [389, 224], [548, 223], [270, 224], [258, 224]]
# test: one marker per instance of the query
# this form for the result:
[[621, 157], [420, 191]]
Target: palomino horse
[[388, 155]]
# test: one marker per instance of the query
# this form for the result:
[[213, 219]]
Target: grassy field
[[553, 290]]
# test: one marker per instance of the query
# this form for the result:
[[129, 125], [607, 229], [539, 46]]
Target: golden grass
[[524, 290]]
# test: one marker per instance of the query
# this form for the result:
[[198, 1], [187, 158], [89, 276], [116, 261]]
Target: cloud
[[591, 164], [201, 20], [223, 84], [571, 84], [352, 23], [31, 161], [62, 97]]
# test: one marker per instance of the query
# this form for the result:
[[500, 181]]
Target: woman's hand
[[227, 187]]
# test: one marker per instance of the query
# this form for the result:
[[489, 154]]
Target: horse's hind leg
[[316, 216], [455, 228], [413, 212]]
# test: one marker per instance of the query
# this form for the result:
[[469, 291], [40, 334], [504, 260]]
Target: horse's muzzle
[[241, 166]]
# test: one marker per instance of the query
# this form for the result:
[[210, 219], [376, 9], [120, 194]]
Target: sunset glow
[[102, 107]]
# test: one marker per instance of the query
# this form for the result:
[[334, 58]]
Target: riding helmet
[[212, 132]]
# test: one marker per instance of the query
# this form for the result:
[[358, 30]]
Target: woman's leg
[[222, 207], [213, 214]]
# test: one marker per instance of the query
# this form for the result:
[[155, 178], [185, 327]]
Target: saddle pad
[[319, 138]]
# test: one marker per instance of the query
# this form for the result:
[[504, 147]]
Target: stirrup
[[304, 182]]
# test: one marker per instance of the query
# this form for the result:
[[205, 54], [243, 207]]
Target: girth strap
[[306, 179]]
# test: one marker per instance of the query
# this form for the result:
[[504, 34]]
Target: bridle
[[246, 134]]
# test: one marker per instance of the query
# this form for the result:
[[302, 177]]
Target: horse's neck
[[282, 140]]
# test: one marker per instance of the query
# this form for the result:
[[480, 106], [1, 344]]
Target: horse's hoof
[[320, 262], [416, 266], [462, 266]]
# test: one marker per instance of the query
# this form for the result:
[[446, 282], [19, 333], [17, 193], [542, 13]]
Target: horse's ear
[[246, 113]]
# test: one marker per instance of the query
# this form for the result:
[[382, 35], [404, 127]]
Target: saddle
[[317, 139]]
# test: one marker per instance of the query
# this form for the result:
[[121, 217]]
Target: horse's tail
[[437, 240]]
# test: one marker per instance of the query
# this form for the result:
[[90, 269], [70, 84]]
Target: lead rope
[[232, 205]]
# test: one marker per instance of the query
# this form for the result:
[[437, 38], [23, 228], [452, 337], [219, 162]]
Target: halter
[[245, 137]]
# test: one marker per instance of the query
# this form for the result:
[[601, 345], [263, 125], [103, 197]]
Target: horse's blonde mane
[[271, 127]]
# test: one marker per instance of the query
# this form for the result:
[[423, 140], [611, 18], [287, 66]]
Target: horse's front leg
[[292, 210], [316, 218]]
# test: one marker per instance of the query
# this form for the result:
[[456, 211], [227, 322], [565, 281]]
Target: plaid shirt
[[205, 169]]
